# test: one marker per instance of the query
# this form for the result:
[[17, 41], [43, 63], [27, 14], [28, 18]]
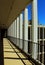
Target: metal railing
[[40, 51], [39, 48], [30, 45]]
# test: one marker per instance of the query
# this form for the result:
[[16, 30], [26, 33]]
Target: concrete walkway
[[13, 56]]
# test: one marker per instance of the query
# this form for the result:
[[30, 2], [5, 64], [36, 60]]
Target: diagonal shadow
[[11, 52], [7, 47], [15, 58]]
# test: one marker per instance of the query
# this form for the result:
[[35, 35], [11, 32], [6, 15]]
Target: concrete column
[[34, 29], [10, 33], [11, 30], [21, 30], [15, 31], [26, 30], [15, 28], [18, 31], [8, 30]]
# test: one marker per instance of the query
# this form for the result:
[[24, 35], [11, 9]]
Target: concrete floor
[[13, 56]]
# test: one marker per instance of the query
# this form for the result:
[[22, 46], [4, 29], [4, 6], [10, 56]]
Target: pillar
[[21, 30], [34, 29], [15, 28], [26, 30], [11, 30], [17, 31]]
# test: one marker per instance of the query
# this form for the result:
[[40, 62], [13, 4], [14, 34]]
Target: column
[[26, 30], [11, 30], [17, 31], [8, 32], [15, 28], [34, 29], [21, 30]]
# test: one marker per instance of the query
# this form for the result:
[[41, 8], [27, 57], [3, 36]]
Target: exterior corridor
[[13, 56]]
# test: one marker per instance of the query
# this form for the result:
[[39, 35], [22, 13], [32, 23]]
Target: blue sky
[[41, 11]]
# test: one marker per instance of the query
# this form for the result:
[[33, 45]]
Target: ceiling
[[9, 10]]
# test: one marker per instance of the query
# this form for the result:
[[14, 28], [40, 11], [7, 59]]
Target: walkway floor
[[13, 56]]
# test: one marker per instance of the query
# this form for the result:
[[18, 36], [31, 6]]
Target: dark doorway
[[2, 35]]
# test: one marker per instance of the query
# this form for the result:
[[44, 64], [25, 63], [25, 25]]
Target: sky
[[41, 12]]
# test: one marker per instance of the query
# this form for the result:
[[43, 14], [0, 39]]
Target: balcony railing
[[30, 45]]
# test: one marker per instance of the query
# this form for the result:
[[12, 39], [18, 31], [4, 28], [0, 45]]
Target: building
[[15, 29]]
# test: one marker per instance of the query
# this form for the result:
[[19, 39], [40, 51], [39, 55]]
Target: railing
[[30, 45], [40, 52]]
